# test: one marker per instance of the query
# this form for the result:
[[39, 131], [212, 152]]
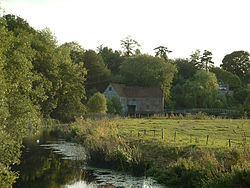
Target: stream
[[50, 162]]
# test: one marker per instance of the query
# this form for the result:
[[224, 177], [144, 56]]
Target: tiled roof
[[137, 92]]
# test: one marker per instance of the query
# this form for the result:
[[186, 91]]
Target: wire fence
[[180, 138]]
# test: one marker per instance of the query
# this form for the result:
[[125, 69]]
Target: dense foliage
[[149, 71], [226, 77], [97, 104], [238, 63], [186, 86], [98, 75], [114, 106], [37, 79], [17, 109]]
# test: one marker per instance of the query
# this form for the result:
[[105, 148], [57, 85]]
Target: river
[[50, 162]]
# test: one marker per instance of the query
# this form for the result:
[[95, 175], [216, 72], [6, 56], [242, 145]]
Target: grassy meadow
[[188, 153], [203, 133]]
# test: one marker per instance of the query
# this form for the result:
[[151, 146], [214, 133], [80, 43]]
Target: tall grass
[[111, 144], [206, 169], [106, 148]]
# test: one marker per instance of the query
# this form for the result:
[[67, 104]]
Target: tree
[[200, 91], [162, 51], [8, 145], [149, 71], [19, 76], [241, 95], [18, 112], [178, 94], [36, 78], [46, 67], [185, 68], [203, 89], [129, 46], [238, 63], [112, 59], [185, 71], [226, 77], [97, 104], [114, 106], [17, 24], [72, 91], [206, 60], [98, 75], [195, 59], [76, 52], [57, 84], [202, 62]]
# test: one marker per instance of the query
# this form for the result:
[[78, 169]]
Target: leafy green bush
[[9, 155], [97, 104], [201, 116], [206, 169], [114, 106]]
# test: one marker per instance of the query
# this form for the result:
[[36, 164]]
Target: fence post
[[229, 142], [190, 138], [207, 139], [175, 136], [162, 133], [145, 131], [154, 132]]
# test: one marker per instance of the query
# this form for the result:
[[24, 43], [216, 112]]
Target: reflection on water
[[52, 163]]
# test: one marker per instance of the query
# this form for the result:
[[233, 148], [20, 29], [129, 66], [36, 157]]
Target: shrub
[[106, 149], [206, 169], [97, 104], [184, 173], [201, 116], [114, 106]]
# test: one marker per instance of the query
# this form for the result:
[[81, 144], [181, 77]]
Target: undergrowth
[[182, 166], [106, 148]]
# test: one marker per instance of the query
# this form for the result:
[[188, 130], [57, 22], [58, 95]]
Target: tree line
[[56, 81]]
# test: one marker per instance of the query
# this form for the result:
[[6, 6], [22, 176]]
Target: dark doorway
[[131, 109]]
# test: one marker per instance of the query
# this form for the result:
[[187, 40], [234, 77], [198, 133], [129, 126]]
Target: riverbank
[[49, 161], [175, 152]]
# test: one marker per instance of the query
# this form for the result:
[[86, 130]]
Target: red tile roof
[[137, 92]]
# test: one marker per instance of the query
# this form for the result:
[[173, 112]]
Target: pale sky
[[220, 26]]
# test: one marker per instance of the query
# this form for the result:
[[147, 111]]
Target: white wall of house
[[110, 92], [141, 104]]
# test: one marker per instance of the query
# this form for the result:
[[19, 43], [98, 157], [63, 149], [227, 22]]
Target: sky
[[220, 26]]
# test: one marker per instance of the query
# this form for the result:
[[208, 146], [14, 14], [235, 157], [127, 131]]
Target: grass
[[188, 132], [183, 158]]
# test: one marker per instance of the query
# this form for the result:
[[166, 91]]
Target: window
[[110, 88]]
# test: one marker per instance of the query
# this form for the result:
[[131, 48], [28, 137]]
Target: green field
[[188, 132], [189, 153], [181, 137]]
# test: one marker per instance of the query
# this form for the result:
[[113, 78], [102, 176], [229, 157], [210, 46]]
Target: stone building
[[135, 99], [224, 89]]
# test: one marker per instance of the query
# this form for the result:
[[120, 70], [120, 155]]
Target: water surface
[[49, 162]]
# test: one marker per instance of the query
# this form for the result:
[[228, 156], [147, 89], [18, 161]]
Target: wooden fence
[[161, 134], [206, 110]]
